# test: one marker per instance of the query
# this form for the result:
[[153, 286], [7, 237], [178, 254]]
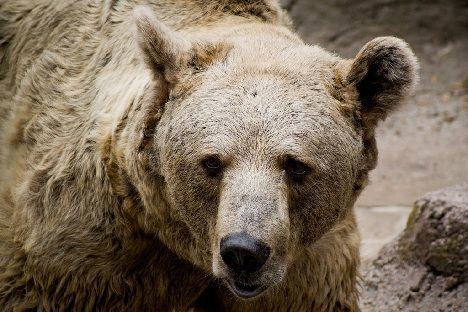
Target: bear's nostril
[[243, 254], [251, 264], [232, 259]]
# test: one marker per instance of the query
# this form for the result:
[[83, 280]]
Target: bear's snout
[[243, 254]]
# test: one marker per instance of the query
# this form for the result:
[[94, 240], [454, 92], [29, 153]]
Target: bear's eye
[[212, 165], [296, 169]]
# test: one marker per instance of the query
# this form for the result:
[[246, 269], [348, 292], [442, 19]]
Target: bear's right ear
[[165, 52], [383, 73]]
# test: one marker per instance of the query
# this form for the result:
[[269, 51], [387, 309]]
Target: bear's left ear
[[383, 73], [168, 53], [165, 52]]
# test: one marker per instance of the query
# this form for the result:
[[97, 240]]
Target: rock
[[426, 267], [439, 231]]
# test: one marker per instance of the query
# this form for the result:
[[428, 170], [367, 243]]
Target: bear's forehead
[[259, 115], [255, 101]]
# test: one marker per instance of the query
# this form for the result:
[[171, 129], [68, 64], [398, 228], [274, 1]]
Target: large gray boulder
[[426, 268]]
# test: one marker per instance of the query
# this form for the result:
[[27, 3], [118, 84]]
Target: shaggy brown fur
[[106, 115]]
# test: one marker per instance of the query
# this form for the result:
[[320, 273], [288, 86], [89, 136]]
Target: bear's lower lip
[[245, 290]]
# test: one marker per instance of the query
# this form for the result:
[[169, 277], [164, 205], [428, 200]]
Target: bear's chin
[[246, 291]]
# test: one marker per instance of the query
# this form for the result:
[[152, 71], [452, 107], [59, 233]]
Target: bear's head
[[264, 142]]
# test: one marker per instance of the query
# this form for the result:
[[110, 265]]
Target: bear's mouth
[[245, 290]]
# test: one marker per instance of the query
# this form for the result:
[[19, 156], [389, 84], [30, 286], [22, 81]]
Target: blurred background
[[424, 145]]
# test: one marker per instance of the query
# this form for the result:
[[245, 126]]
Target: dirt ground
[[424, 145]]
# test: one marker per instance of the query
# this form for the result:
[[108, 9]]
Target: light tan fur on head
[[138, 138], [254, 117]]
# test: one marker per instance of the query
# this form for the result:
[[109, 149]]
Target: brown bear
[[183, 155]]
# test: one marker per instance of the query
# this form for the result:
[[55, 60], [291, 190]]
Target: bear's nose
[[242, 253]]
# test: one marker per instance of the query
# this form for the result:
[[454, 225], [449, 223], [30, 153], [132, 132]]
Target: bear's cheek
[[194, 199], [314, 208]]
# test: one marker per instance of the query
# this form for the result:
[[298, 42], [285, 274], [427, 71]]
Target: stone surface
[[439, 231], [424, 145], [425, 269]]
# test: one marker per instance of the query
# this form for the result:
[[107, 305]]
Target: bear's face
[[261, 158], [260, 152], [250, 156]]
